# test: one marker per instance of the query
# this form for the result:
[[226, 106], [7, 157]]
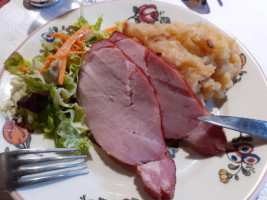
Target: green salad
[[38, 97]]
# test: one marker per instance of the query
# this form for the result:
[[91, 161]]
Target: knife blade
[[244, 125]]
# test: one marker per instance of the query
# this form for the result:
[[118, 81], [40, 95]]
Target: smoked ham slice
[[158, 178], [180, 107], [124, 115]]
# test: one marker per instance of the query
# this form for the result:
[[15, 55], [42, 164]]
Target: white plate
[[197, 177]]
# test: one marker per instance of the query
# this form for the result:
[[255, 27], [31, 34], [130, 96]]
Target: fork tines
[[32, 181], [13, 168], [42, 150]]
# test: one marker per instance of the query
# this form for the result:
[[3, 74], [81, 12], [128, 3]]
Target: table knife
[[244, 125]]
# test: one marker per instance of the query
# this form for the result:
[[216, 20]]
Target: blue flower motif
[[245, 148], [48, 37], [234, 156]]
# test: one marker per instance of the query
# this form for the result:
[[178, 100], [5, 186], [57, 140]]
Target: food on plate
[[158, 178], [54, 73], [124, 116], [128, 97], [209, 60], [63, 52], [179, 105]]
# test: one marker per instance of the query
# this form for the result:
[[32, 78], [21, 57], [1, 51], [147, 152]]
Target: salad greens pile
[[41, 102]]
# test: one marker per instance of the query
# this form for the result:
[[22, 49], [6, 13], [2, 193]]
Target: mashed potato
[[209, 60]]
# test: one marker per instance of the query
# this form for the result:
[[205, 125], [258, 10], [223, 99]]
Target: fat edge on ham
[[180, 107], [123, 114]]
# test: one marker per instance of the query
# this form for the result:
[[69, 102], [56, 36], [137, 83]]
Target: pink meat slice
[[158, 178], [180, 107], [123, 114], [122, 110]]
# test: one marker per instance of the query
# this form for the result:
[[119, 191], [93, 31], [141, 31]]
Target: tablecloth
[[244, 19]]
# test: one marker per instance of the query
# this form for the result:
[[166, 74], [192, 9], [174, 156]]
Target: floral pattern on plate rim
[[242, 157], [15, 133], [149, 14]]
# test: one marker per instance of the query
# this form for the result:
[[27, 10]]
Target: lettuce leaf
[[62, 119], [81, 22], [97, 25], [72, 129], [14, 61]]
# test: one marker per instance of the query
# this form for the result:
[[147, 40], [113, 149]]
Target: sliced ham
[[180, 107], [124, 115], [158, 178]]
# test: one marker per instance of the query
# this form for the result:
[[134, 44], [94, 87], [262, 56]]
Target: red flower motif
[[251, 159], [48, 37], [148, 14], [14, 133]]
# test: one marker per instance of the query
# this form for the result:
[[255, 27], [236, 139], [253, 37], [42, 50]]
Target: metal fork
[[12, 163]]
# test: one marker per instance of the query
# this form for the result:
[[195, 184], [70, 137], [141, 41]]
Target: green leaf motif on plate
[[233, 167]]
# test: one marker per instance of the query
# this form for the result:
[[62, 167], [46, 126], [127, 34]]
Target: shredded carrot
[[75, 52], [76, 47], [72, 48], [57, 48], [79, 43], [46, 66], [64, 51], [124, 22], [54, 57], [62, 70], [83, 38], [62, 36], [22, 68], [114, 28], [66, 48], [72, 39], [79, 52]]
